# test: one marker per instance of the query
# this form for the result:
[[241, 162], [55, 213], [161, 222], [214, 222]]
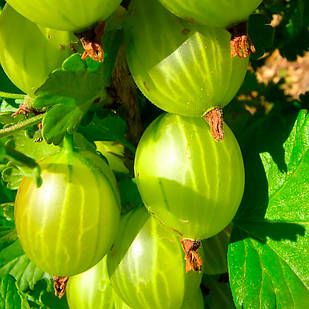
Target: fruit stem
[[19, 157], [124, 95], [15, 96], [24, 160], [68, 144], [21, 125]]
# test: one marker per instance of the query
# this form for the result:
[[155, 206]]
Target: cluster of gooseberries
[[188, 164]]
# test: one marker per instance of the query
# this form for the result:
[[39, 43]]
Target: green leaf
[[2, 151], [7, 236], [43, 296], [260, 33], [114, 153], [7, 214], [13, 261], [10, 251], [13, 175], [31, 148], [31, 283], [297, 19], [69, 93], [9, 296], [15, 171], [7, 107], [129, 193], [110, 128], [293, 35], [28, 166], [5, 194], [268, 254], [74, 63]]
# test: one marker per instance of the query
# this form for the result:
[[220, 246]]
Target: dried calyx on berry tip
[[92, 42], [60, 284], [241, 45], [192, 258], [215, 121]]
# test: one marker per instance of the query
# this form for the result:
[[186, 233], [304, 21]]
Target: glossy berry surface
[[219, 13], [65, 14], [182, 68], [93, 289], [188, 180], [69, 223], [29, 53], [146, 264]]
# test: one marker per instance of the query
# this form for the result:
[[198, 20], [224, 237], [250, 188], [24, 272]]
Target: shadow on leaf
[[278, 231], [273, 132]]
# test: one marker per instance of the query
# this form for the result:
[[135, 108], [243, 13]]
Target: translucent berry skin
[[188, 180], [70, 15], [215, 252], [69, 223], [29, 53], [146, 265], [93, 289], [182, 68], [219, 13]]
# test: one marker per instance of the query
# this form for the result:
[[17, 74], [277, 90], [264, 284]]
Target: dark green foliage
[[291, 35], [268, 264]]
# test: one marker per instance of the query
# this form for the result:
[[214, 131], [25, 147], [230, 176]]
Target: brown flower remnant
[[240, 43], [241, 46], [192, 258], [60, 284], [215, 121], [92, 42]]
